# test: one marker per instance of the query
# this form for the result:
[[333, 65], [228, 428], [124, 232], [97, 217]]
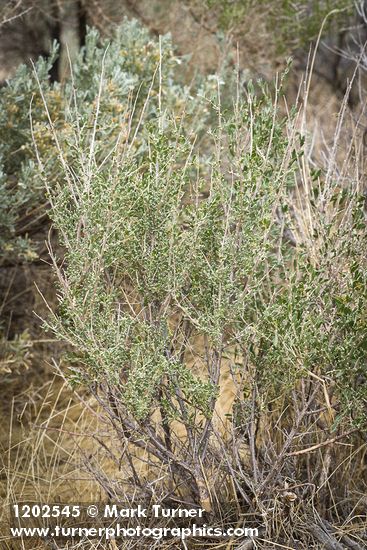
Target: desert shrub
[[178, 256], [296, 23], [128, 64], [21, 190], [15, 354], [184, 254]]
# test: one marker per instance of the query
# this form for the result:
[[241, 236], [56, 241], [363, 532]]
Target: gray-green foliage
[[126, 170], [118, 208], [297, 23], [175, 274], [21, 190], [142, 247], [145, 251], [172, 207], [126, 256], [129, 63]]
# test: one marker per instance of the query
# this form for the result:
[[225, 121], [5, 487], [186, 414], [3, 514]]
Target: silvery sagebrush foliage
[[129, 63], [21, 190]]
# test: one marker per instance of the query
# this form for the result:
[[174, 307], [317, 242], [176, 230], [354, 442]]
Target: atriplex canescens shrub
[[171, 237], [132, 59], [128, 67]]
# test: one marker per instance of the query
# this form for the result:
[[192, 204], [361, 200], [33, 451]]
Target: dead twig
[[322, 444]]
